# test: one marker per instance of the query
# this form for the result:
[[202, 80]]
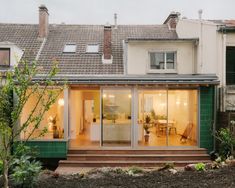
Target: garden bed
[[223, 177]]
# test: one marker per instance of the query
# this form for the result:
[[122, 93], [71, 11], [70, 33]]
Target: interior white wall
[[55, 110]]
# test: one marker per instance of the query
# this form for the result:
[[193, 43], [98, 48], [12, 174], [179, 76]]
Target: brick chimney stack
[[43, 21], [107, 42], [172, 20]]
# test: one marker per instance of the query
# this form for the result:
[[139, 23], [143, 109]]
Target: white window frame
[[165, 70], [67, 51], [92, 52]]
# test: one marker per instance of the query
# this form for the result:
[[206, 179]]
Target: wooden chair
[[187, 132], [172, 126]]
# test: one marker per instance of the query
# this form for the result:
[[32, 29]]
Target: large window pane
[[53, 119], [182, 117], [84, 116], [167, 118], [157, 60], [152, 115], [230, 65], [116, 118], [170, 60]]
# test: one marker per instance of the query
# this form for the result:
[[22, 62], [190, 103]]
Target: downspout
[[215, 118], [201, 45], [223, 96], [125, 52]]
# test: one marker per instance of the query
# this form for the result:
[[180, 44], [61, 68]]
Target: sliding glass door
[[116, 117], [167, 117]]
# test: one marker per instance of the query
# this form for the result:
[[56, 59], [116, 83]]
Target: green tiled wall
[[206, 117], [50, 149]]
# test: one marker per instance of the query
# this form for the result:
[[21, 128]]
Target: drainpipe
[[201, 41], [223, 95], [215, 118]]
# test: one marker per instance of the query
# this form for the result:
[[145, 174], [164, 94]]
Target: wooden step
[[137, 157], [139, 151], [69, 163], [133, 157]]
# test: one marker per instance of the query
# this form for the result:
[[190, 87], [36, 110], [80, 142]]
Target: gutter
[[162, 39]]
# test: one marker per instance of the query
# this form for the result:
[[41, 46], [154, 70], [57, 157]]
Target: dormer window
[[92, 48], [4, 56], [162, 62], [70, 48]]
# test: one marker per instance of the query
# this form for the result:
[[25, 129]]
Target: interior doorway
[[84, 116]]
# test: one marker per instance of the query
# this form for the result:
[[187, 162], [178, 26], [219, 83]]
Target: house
[[132, 89]]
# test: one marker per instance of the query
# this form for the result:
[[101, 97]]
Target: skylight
[[70, 48], [92, 48]]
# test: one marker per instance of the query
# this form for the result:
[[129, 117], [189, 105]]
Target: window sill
[[162, 71]]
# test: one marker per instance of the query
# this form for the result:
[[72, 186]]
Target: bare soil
[[224, 177]]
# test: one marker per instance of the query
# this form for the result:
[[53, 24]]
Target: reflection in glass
[[116, 118]]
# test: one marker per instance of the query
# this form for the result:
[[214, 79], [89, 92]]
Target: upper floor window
[[162, 61], [92, 48], [70, 48], [4, 56]]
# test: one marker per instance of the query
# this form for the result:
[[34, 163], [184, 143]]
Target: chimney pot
[[43, 21]]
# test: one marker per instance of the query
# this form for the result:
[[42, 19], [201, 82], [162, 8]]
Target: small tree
[[20, 83]]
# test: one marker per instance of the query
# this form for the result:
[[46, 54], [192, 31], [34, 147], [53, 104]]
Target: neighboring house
[[120, 75], [216, 53]]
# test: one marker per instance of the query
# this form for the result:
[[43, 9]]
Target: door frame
[[167, 134], [102, 88]]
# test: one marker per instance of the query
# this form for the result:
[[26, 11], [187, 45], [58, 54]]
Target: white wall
[[138, 55], [210, 43]]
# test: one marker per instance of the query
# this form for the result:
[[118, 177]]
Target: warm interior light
[[185, 103], [111, 96], [177, 102], [61, 102], [104, 95], [129, 96]]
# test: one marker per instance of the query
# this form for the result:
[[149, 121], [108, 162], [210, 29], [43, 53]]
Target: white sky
[[101, 11]]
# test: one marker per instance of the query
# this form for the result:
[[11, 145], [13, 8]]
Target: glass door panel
[[182, 117], [116, 117], [152, 118]]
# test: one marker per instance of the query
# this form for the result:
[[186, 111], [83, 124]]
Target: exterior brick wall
[[107, 42]]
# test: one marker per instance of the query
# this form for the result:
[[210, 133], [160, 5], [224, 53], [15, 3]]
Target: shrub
[[226, 142], [26, 171], [200, 167]]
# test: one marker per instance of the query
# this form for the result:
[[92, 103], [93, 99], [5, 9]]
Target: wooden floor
[[155, 139]]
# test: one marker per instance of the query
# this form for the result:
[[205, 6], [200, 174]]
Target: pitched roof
[[22, 35], [81, 63]]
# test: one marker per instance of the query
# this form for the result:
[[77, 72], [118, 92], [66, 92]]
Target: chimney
[[107, 48], [43, 21], [172, 20]]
